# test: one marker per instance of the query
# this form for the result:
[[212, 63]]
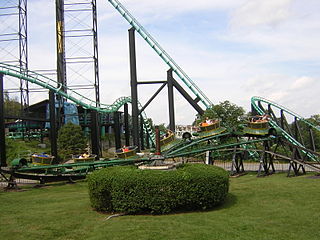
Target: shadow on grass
[[230, 201]]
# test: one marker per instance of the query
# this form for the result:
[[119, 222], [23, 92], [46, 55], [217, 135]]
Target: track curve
[[256, 103], [73, 96]]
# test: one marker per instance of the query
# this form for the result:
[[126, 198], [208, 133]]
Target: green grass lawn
[[274, 207]]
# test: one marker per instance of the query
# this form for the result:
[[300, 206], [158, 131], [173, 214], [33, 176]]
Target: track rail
[[255, 103], [187, 152], [161, 52], [73, 96]]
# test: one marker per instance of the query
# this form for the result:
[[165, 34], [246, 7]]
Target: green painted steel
[[161, 52], [213, 148], [147, 127], [73, 96], [196, 142], [291, 139], [256, 132], [70, 94], [260, 111], [95, 164]]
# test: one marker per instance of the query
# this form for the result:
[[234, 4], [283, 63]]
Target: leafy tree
[[162, 127], [315, 119], [229, 114], [12, 106], [71, 140]]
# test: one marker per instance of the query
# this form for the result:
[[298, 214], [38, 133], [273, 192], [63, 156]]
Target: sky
[[231, 49]]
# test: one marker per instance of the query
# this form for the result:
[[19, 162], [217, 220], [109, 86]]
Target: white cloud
[[164, 7], [279, 30], [259, 12], [301, 82], [276, 32]]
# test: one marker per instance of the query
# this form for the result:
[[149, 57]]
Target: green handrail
[[161, 52]]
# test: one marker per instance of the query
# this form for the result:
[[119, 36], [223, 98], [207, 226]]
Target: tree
[[229, 114], [12, 106], [162, 127], [71, 140]]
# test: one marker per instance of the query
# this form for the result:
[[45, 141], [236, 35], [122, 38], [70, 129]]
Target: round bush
[[131, 190]]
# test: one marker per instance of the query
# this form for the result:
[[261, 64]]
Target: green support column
[[103, 131]]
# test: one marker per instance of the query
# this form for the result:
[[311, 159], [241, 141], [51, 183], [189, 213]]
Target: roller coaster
[[274, 140]]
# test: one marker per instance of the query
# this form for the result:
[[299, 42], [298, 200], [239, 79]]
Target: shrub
[[131, 190], [71, 140]]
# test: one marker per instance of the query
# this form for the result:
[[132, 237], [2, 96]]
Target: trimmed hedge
[[131, 190]]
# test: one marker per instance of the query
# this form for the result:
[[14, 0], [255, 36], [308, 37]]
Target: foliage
[[162, 128], [131, 190], [19, 148], [12, 106], [229, 114], [305, 133], [71, 140]]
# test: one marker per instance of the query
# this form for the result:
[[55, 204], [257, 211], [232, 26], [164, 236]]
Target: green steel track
[[67, 172], [73, 96], [184, 147], [161, 52], [192, 152], [181, 149], [255, 103]]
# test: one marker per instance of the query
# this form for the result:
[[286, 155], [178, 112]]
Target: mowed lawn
[[274, 207]]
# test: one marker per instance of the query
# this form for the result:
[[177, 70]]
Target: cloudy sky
[[232, 49]]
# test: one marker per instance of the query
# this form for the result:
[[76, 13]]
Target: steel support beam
[[266, 160], [134, 89], [153, 97], [311, 139], [237, 162], [23, 53], [3, 158], [126, 125], [60, 35], [271, 113], [53, 125], [148, 140], [95, 136], [187, 97], [253, 111], [284, 123], [282, 119], [172, 123], [95, 52], [152, 82], [158, 147], [295, 166], [117, 131], [298, 131]]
